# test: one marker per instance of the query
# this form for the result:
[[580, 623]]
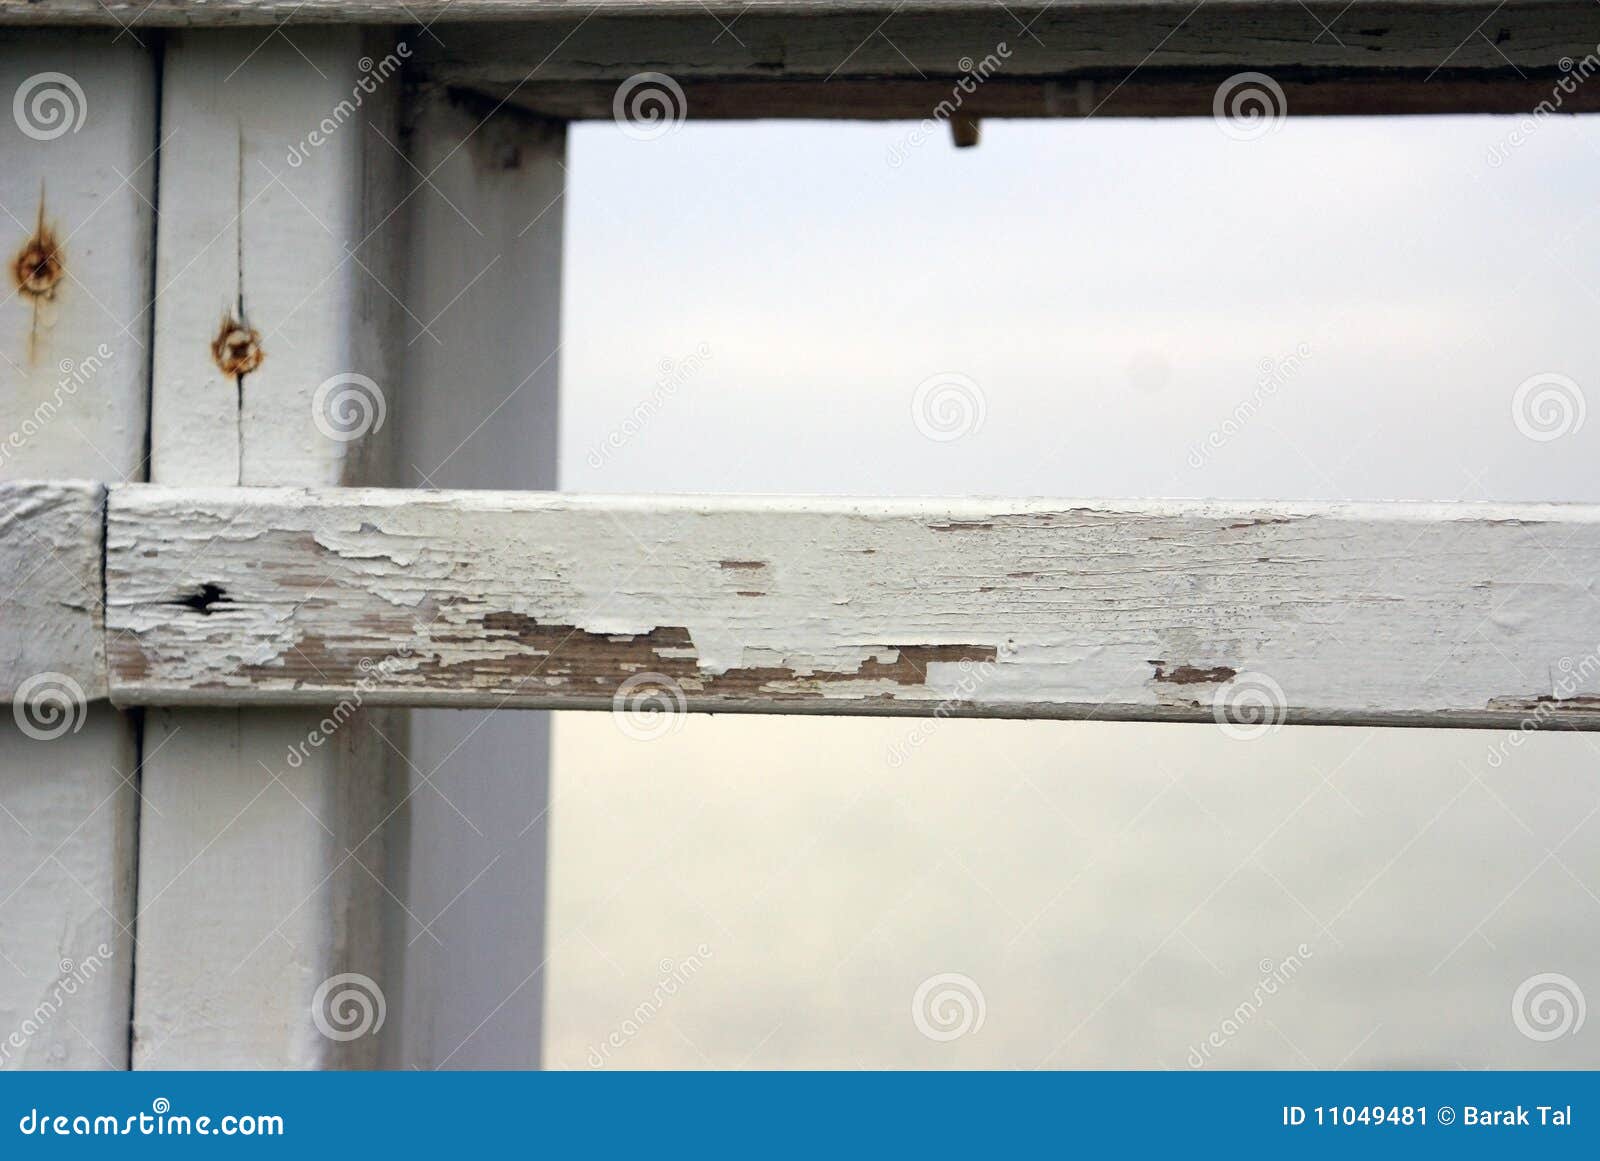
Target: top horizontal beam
[[182, 13], [227, 13], [849, 59]]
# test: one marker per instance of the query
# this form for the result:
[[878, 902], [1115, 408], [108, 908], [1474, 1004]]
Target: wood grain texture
[[262, 845], [1064, 60], [1470, 615], [1149, 93], [181, 13], [50, 549], [1050, 41], [295, 241], [480, 412], [74, 395]]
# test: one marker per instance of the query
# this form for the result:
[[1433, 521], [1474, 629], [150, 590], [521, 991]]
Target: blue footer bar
[[818, 1115]]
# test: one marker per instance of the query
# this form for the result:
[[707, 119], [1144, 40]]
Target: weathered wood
[[1423, 614], [1148, 93], [183, 13], [262, 848], [52, 635], [795, 58], [480, 412], [76, 194], [1050, 41], [1063, 60]]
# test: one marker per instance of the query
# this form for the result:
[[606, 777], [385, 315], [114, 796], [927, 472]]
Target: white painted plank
[[52, 637], [1437, 614], [261, 851], [480, 412], [75, 207]]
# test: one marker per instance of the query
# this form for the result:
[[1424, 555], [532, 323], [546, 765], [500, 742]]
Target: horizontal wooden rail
[[1419, 614], [875, 59], [51, 639]]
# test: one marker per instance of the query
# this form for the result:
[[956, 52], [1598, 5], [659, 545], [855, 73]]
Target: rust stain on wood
[[1193, 674], [39, 265], [37, 270], [237, 347]]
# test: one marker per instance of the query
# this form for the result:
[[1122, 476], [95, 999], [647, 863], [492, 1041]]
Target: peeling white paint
[[1361, 612]]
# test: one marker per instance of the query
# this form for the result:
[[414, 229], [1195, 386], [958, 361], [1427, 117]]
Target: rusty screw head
[[38, 266], [237, 348]]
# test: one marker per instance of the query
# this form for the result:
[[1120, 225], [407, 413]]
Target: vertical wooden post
[[480, 412], [78, 138], [263, 886]]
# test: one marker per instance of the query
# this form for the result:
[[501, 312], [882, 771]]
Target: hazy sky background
[[1114, 290]]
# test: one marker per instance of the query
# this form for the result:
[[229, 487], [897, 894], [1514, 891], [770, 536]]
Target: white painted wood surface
[[75, 201], [479, 410], [50, 550], [1430, 614], [261, 860]]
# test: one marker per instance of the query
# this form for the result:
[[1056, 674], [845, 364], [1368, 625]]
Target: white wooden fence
[[267, 253]]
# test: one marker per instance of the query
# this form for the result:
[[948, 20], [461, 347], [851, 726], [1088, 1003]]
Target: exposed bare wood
[[1469, 615], [50, 548]]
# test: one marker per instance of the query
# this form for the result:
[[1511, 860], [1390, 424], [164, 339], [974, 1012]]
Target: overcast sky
[[1108, 294], [1112, 288]]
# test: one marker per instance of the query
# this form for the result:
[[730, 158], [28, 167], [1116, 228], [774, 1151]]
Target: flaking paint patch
[[1194, 674]]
